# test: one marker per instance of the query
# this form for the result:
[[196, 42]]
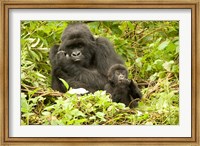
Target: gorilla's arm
[[56, 71], [52, 55], [135, 91]]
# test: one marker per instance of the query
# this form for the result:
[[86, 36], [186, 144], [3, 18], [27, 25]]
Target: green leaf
[[175, 68], [131, 26], [149, 68], [46, 113], [168, 65], [100, 115], [77, 113], [153, 77], [163, 45], [24, 104], [49, 108], [171, 47], [116, 29], [65, 83], [28, 114], [139, 61], [92, 118], [36, 43]]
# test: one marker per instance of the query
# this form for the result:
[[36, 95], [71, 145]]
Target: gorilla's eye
[[72, 47], [79, 45], [117, 73], [123, 72]]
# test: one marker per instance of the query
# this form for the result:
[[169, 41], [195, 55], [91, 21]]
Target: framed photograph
[[58, 81]]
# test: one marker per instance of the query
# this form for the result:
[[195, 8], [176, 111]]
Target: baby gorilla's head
[[117, 74]]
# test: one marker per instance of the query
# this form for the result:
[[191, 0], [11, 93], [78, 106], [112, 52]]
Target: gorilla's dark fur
[[82, 60], [121, 88]]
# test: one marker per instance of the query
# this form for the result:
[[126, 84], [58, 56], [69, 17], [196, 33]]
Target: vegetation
[[151, 52]]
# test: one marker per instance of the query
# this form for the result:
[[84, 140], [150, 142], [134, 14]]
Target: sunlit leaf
[[163, 45], [65, 83]]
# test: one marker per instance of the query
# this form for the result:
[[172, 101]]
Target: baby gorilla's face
[[120, 75]]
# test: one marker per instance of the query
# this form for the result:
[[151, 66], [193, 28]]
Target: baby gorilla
[[121, 88]]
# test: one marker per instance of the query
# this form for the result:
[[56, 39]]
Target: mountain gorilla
[[81, 60], [121, 88]]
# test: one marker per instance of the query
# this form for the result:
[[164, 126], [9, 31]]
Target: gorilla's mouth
[[77, 59]]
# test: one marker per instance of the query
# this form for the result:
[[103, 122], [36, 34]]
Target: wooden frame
[[4, 92]]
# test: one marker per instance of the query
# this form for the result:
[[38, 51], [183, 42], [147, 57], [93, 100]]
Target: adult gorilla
[[82, 60]]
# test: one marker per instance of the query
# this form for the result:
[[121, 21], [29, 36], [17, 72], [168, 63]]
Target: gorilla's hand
[[124, 82], [62, 58]]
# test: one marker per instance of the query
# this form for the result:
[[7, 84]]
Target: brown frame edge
[[6, 5]]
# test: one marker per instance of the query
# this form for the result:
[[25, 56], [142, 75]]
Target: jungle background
[[150, 50]]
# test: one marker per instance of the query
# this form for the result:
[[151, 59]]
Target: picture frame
[[6, 5]]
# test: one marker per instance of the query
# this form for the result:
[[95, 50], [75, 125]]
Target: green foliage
[[36, 39], [89, 109], [150, 50], [64, 83]]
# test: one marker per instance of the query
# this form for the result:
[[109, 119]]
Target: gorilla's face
[[117, 74], [74, 50], [78, 46]]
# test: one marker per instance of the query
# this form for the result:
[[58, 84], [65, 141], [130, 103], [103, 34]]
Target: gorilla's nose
[[121, 76], [76, 53]]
